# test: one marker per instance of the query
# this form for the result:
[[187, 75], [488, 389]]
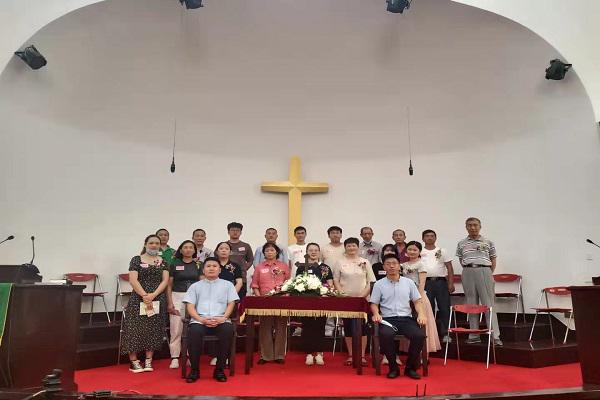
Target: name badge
[[265, 270], [143, 265], [242, 249], [381, 273], [180, 268], [310, 271]]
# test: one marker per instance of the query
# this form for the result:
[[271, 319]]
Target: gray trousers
[[478, 284]]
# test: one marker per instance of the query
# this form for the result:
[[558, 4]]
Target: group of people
[[207, 285]]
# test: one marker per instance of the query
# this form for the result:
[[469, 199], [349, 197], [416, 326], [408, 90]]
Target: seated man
[[210, 302], [390, 302]]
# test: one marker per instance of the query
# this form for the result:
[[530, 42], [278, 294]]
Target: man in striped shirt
[[477, 256]]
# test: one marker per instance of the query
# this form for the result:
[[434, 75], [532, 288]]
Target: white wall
[[85, 143]]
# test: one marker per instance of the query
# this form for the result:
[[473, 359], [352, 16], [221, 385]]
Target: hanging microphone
[[410, 168], [174, 137], [11, 237], [173, 166], [590, 242]]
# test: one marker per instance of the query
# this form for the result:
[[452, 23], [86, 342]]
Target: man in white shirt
[[297, 251], [440, 280], [368, 248], [334, 250]]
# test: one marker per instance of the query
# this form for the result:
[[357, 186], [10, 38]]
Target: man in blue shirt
[[390, 305], [210, 303]]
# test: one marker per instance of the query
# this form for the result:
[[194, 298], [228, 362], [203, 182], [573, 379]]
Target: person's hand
[[211, 322], [451, 288], [171, 310], [377, 318], [421, 320], [219, 320], [147, 298]]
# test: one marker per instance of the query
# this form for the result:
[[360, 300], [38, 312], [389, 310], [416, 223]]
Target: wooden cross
[[294, 187]]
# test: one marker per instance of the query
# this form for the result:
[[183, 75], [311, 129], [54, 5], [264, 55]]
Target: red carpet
[[294, 379]]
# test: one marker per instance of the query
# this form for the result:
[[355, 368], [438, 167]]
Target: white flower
[[323, 290], [300, 288]]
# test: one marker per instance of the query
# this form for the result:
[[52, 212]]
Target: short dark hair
[[198, 230], [365, 227], [388, 246], [399, 230], [426, 231], [273, 245], [270, 229], [333, 228], [471, 219], [299, 228], [313, 244], [388, 256], [178, 254], [215, 259], [233, 225], [163, 229], [418, 245], [219, 245], [351, 240]]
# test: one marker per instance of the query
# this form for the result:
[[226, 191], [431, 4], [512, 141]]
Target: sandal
[[363, 362], [348, 362]]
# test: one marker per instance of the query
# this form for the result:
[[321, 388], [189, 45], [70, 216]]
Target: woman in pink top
[[270, 275]]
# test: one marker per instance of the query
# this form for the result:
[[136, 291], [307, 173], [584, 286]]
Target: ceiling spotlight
[[192, 4], [398, 6], [32, 57], [557, 70]]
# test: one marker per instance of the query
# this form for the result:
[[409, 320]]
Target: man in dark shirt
[[241, 252]]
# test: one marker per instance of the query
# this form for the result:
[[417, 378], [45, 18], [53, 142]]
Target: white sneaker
[[148, 365], [319, 359], [174, 363], [310, 360], [328, 332], [384, 360], [136, 367], [297, 331], [213, 361]]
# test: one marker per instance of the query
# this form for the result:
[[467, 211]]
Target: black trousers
[[313, 334], [196, 332], [409, 328], [438, 294]]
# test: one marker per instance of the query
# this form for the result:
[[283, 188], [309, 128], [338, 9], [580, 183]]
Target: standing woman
[[313, 328], [230, 271], [166, 251], [270, 275], [149, 277], [378, 270], [353, 276], [415, 269], [183, 273]]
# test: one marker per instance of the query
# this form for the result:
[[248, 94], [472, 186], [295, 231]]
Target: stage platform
[[294, 379]]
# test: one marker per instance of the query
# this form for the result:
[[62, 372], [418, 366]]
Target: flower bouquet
[[304, 285]]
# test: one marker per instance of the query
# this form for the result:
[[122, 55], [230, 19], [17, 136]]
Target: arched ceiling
[[571, 27]]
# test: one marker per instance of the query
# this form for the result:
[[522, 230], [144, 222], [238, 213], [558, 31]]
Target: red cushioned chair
[[553, 293], [471, 309], [506, 282], [124, 289], [87, 279]]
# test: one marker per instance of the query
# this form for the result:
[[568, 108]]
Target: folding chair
[[505, 282], [86, 279], [471, 309], [124, 289], [459, 293], [555, 293]]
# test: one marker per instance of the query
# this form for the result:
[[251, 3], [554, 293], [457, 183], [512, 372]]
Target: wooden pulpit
[[586, 302], [41, 333]]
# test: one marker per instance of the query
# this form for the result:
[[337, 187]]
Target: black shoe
[[394, 373], [219, 375], [192, 377], [411, 373], [280, 361], [262, 361]]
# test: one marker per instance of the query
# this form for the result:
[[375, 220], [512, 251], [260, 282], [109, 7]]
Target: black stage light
[[32, 57], [557, 70], [192, 4], [398, 6]]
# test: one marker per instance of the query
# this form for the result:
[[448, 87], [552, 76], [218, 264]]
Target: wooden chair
[[207, 338], [376, 356], [87, 279]]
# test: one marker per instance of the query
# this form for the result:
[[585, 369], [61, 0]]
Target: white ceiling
[[570, 26]]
